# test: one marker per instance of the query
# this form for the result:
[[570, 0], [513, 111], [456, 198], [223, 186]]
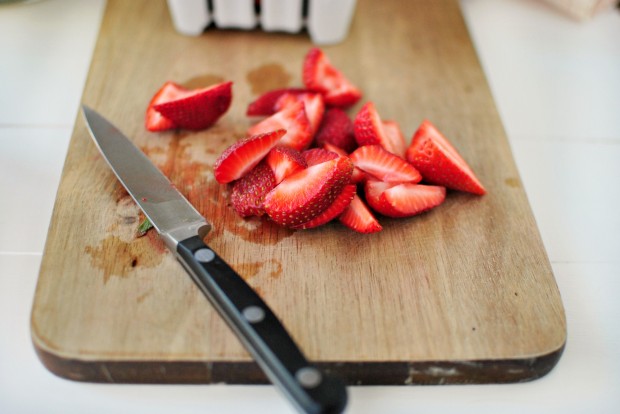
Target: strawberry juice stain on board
[[268, 77], [203, 81], [120, 258]]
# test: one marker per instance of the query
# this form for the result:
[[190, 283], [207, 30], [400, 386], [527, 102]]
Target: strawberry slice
[[402, 200], [293, 119], [248, 192], [369, 129], [285, 161], [154, 121], [358, 175], [439, 162], [384, 165], [359, 218], [316, 156], [244, 155], [321, 76], [336, 129], [313, 104], [199, 108], [334, 210], [393, 133], [306, 194], [265, 104]]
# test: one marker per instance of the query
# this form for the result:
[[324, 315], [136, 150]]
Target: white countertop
[[556, 83]]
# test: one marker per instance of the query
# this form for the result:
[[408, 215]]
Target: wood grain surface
[[464, 293]]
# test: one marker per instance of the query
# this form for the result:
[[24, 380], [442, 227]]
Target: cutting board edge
[[512, 370]]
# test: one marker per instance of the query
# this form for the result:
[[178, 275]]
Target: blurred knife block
[[582, 9]]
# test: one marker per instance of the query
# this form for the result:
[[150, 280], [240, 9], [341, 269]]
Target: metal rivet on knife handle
[[253, 314], [204, 255]]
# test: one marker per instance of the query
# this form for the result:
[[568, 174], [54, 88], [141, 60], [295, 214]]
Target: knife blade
[[183, 228]]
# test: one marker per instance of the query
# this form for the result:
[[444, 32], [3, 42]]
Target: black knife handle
[[262, 334]]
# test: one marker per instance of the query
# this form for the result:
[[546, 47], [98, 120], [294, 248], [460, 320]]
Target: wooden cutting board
[[464, 293]]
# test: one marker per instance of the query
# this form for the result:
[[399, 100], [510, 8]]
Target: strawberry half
[[437, 160], [265, 104], [359, 218], [321, 76], [285, 161], [154, 121], [248, 192], [334, 210], [306, 194], [293, 119], [384, 165], [402, 200], [369, 129], [394, 135], [313, 105], [238, 159], [197, 109], [336, 129], [316, 156]]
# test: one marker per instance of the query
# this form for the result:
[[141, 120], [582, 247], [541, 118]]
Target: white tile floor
[[557, 89]]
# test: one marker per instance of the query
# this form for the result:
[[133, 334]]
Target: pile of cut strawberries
[[307, 163]]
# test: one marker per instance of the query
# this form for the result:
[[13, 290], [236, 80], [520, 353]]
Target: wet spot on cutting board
[[268, 77], [203, 81], [512, 182], [120, 258], [271, 268]]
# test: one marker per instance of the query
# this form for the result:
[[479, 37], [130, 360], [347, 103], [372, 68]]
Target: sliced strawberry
[[439, 163], [334, 210], [358, 175], [316, 156], [238, 159], [384, 165], [265, 105], [197, 109], [293, 119], [336, 129], [306, 194], [403, 200], [393, 133], [154, 121], [373, 189], [248, 192], [313, 104], [320, 75], [359, 218], [369, 129], [285, 161]]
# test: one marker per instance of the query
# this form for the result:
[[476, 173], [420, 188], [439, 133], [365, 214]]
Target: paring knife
[[182, 228]]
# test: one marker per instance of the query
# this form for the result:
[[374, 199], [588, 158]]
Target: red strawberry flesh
[[306, 194], [439, 162], [154, 121], [316, 156], [313, 105], [293, 119], [334, 210], [384, 165], [285, 161], [241, 157], [248, 192], [265, 104], [320, 75], [336, 129], [394, 135], [368, 128], [359, 218], [198, 109], [403, 200]]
